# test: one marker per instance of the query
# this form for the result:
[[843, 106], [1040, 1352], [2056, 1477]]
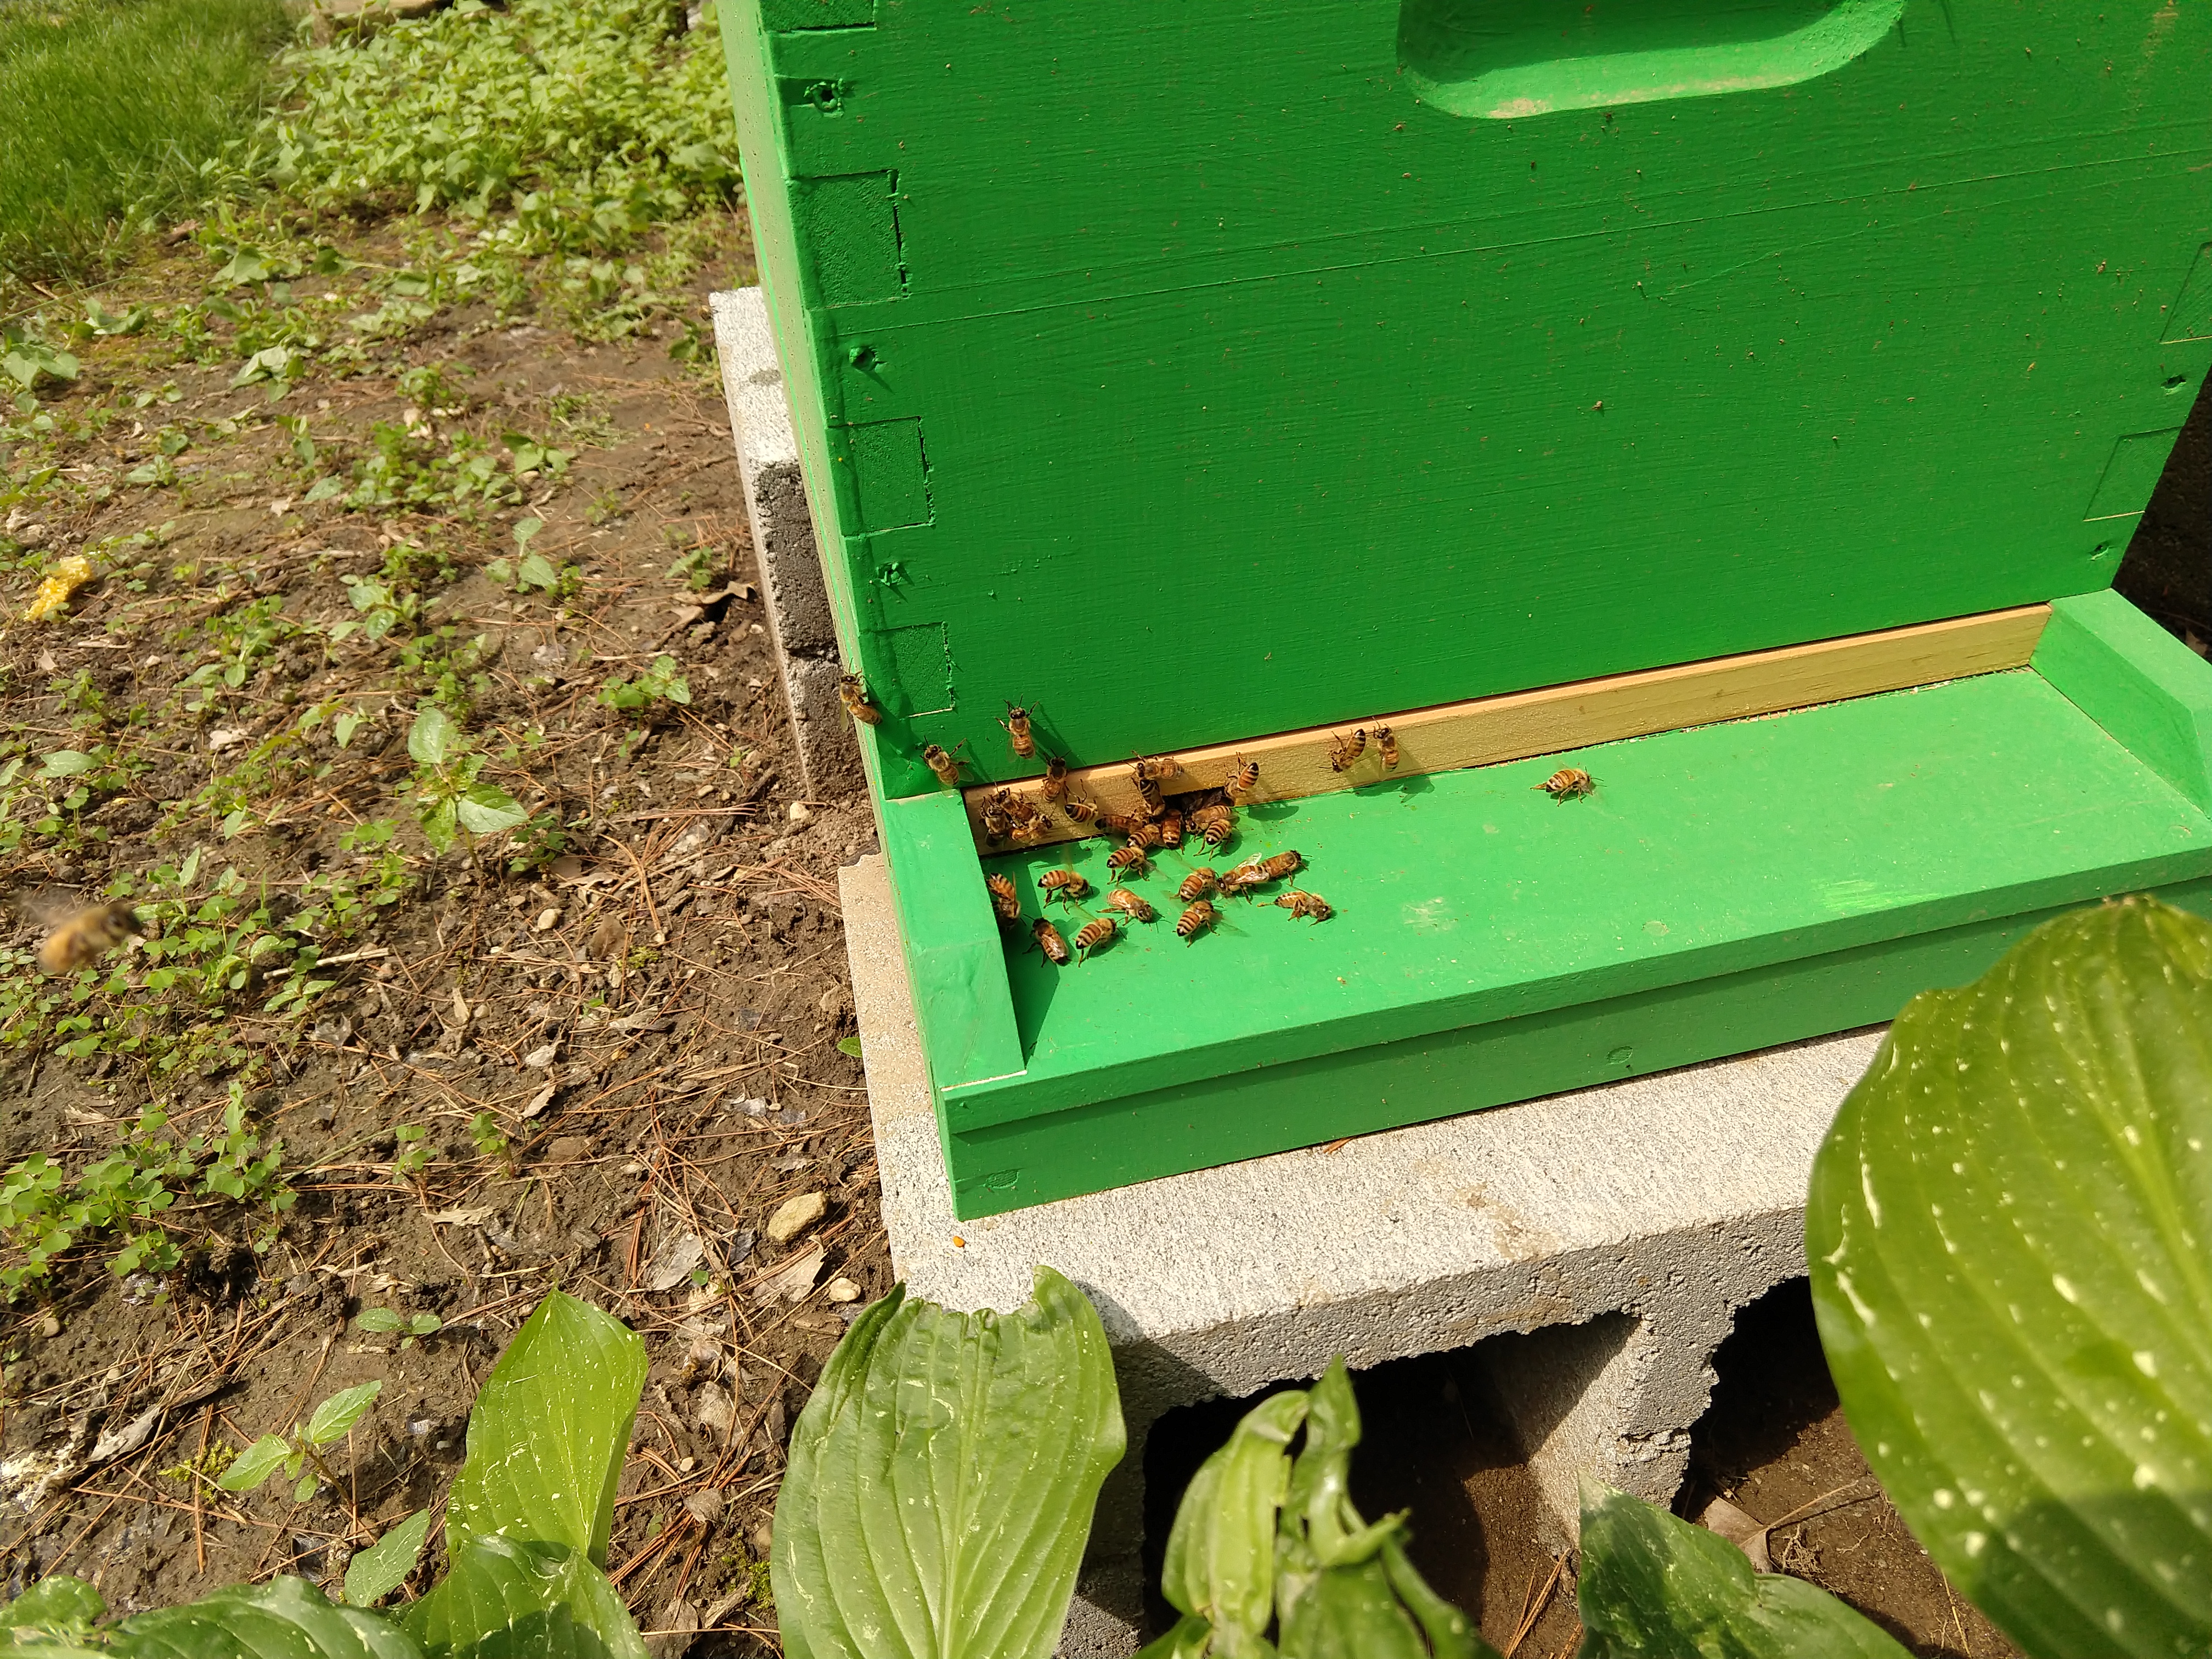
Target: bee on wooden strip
[[1097, 935], [1569, 783], [1283, 864], [1245, 779], [853, 692], [1311, 905], [1344, 752], [1018, 730], [1170, 828], [1195, 920], [1004, 899], [1387, 741], [1055, 778], [1066, 885], [1131, 906], [1130, 861], [1078, 811], [1149, 789], [996, 824], [1198, 885], [82, 939], [1049, 941], [1156, 769], [944, 764]]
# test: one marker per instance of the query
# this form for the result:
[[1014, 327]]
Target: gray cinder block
[[1621, 1226], [783, 535]]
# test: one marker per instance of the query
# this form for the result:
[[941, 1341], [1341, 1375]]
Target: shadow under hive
[[1745, 405]]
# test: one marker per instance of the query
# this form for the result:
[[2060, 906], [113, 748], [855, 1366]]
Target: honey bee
[[1130, 905], [1079, 810], [996, 824], [1170, 828], [1569, 783], [1245, 779], [853, 692], [1055, 777], [1283, 864], [1242, 879], [1312, 905], [1343, 751], [1195, 920], [1097, 935], [1130, 861], [1215, 824], [946, 766], [1031, 830], [1156, 769], [1049, 941], [1198, 885], [81, 939], [1146, 835], [1065, 885], [1121, 823], [1018, 732], [1387, 741], [1149, 788], [1004, 899]]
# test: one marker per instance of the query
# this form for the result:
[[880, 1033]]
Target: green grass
[[107, 108]]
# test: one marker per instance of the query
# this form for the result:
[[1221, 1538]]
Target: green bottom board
[[1728, 887]]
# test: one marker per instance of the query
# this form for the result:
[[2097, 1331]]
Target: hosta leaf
[[547, 1437], [502, 1599], [1655, 1588], [383, 1567], [59, 1609], [2010, 1233], [1221, 1550], [285, 1619], [942, 1479]]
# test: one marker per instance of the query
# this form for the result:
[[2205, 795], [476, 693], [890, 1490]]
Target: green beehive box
[[1747, 402]]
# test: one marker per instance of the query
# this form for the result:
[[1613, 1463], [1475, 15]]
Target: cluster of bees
[[1018, 820]]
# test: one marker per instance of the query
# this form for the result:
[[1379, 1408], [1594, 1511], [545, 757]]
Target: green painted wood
[[1251, 1114], [2137, 682], [1249, 389]]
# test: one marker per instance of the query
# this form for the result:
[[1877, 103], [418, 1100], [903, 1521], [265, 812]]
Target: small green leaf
[[538, 571], [849, 1046], [378, 1319], [305, 1489], [525, 531], [425, 1324], [438, 826], [383, 1567], [340, 1413], [430, 739], [344, 727], [58, 1606], [255, 1464], [287, 1617], [1655, 1588], [68, 763], [486, 808]]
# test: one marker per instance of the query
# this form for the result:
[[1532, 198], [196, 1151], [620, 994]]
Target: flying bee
[[1097, 935], [1018, 732], [81, 939], [1195, 920], [1569, 783], [946, 766], [1130, 861], [1170, 828], [1065, 885], [1343, 751], [1131, 906], [1079, 810], [1245, 779], [1049, 941], [854, 694], [1198, 885], [1004, 899], [1312, 905], [1055, 778], [1283, 864], [1387, 741]]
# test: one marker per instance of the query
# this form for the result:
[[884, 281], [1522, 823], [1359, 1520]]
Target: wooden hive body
[[1197, 375]]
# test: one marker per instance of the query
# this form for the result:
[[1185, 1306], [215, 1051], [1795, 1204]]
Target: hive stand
[[1623, 1225]]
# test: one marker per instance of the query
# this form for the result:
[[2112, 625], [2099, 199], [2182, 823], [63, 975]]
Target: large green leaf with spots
[[2008, 1230]]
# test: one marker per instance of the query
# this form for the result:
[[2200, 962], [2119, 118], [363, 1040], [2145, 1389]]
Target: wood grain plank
[[1488, 730]]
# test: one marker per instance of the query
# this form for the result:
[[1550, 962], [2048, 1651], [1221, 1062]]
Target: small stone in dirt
[[568, 1149], [762, 1538], [794, 1216], [791, 1116], [336, 1032], [548, 919], [50, 1327], [843, 1290], [801, 813], [753, 1108], [608, 939], [541, 1059]]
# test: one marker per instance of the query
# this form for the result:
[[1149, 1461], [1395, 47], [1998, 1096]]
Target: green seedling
[[298, 1454], [662, 682], [417, 1325], [451, 800]]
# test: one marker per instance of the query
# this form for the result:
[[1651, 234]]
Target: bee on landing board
[[853, 692], [1215, 824], [1245, 779], [1195, 920], [1049, 940], [1120, 824], [944, 764], [1283, 864], [1242, 879], [1131, 906], [1198, 885], [1387, 741], [1066, 885], [1569, 783], [1344, 752], [81, 939], [1096, 935], [1004, 899], [1170, 828], [1018, 732], [1055, 778], [1130, 861], [1300, 904]]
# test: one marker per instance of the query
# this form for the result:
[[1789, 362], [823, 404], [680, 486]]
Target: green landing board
[[1195, 371], [1727, 887]]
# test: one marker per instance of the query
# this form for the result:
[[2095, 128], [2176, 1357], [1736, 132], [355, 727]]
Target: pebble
[[801, 813], [568, 1149], [547, 919], [794, 1216], [841, 1290], [50, 1327]]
